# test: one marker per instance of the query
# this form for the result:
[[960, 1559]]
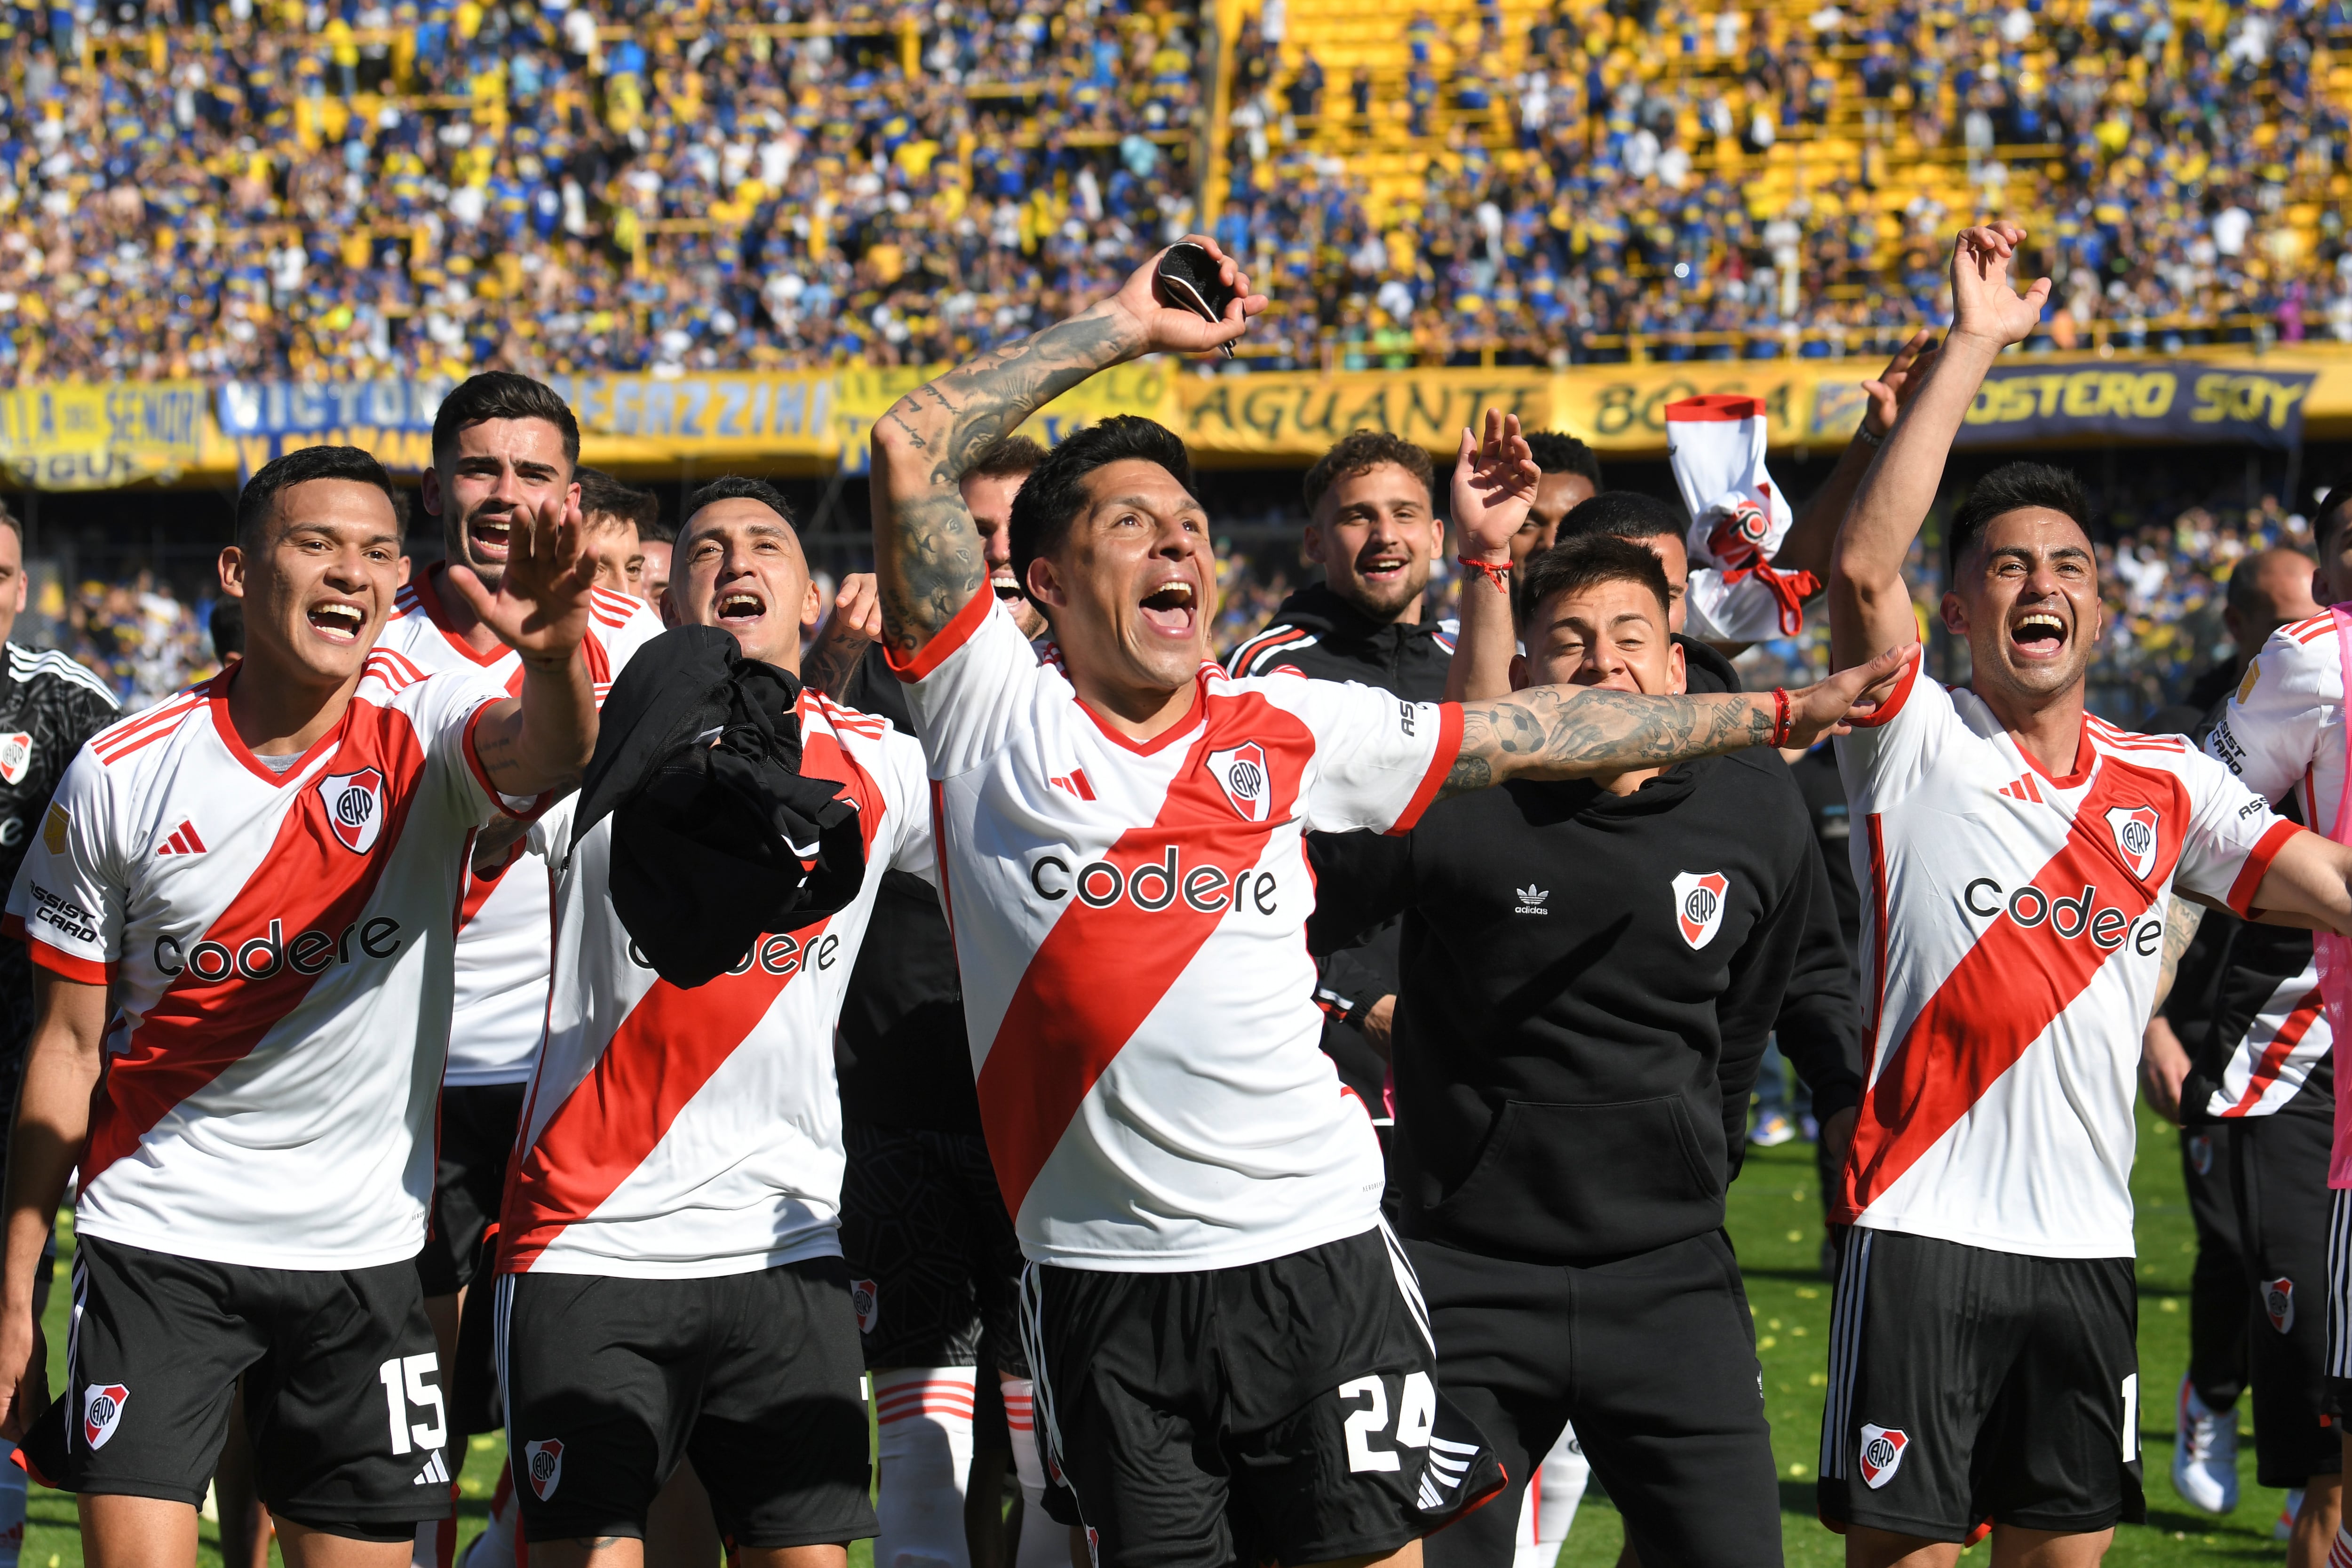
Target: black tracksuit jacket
[[1571, 1072]]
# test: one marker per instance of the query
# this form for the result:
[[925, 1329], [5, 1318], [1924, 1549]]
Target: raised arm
[[1494, 481], [927, 554], [1870, 608], [541, 741], [1572, 731], [1814, 532]]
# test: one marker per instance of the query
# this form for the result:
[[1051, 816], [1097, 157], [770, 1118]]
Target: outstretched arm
[[1869, 606], [1574, 732], [927, 552], [1814, 535]]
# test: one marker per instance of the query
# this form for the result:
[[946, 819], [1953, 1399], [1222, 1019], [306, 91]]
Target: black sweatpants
[[2281, 1175], [1652, 1357], [2217, 1286]]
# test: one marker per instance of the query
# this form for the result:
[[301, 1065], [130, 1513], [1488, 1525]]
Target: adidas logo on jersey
[[435, 1473], [2022, 788], [1073, 782], [313, 951], [181, 840], [1531, 900]]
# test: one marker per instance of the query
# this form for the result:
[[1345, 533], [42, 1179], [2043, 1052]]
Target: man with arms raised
[[1122, 854], [239, 906], [2016, 854], [671, 1281]]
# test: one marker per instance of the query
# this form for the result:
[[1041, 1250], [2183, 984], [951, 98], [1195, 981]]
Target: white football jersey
[[2013, 930], [2284, 728], [673, 1134], [278, 949], [503, 924], [1129, 920], [2288, 1037]]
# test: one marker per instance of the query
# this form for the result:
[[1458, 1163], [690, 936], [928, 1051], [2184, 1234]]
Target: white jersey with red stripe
[[2013, 930], [503, 933], [679, 1135], [1129, 920], [2288, 1037], [2284, 728], [278, 946]]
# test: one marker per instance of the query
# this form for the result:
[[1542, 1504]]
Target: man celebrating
[[1592, 972], [1122, 854], [670, 1268], [2018, 854], [503, 445], [240, 906]]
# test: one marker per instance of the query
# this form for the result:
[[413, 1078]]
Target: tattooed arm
[[926, 551], [2180, 921], [1570, 731]]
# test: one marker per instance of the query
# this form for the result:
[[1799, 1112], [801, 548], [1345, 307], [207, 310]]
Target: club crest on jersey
[[102, 1411], [1698, 905], [16, 756], [2278, 1304], [1240, 772], [544, 1464], [1882, 1454], [2134, 830], [865, 1301], [355, 804], [2200, 1153]]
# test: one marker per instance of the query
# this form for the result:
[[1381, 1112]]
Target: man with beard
[[2017, 853]]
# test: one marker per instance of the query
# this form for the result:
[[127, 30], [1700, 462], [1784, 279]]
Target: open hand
[[1985, 302], [1494, 480], [857, 608], [1814, 710], [1898, 383], [541, 609], [24, 1375], [1171, 329]]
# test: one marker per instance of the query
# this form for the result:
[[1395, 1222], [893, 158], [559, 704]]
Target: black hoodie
[[1567, 1038]]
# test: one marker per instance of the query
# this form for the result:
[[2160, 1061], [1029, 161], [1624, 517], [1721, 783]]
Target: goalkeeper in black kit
[[1591, 970]]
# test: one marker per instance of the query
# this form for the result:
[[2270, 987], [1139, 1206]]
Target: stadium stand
[[1500, 182]]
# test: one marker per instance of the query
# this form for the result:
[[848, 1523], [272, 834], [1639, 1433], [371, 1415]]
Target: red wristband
[[1784, 717], [1498, 575]]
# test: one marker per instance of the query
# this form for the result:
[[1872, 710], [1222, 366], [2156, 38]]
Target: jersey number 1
[[403, 1380]]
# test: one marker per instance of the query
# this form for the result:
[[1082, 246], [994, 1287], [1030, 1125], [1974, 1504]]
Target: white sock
[[495, 1547], [12, 1510], [1549, 1506], [1043, 1544], [923, 1418]]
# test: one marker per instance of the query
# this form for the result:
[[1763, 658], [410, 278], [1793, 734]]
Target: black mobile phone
[[1187, 278]]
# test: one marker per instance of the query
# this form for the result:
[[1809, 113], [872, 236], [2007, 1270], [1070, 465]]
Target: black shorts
[[755, 1377], [1652, 1357], [343, 1399], [1968, 1384], [1283, 1411], [469, 1178], [2282, 1209], [933, 1259]]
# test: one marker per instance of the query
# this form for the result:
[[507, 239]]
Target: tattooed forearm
[[829, 664], [927, 552], [2181, 920], [1558, 731]]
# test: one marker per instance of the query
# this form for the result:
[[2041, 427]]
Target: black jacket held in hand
[[716, 836], [1581, 971]]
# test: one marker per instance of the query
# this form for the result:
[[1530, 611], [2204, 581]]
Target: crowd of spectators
[[328, 189], [1747, 185]]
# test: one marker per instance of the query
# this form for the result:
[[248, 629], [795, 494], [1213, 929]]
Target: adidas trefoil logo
[[434, 1474], [1531, 900]]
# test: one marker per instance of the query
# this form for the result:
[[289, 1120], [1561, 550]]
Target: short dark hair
[[300, 467], [503, 394], [1586, 559], [1005, 457], [601, 495], [1559, 454], [735, 486], [2336, 504], [1055, 491], [8, 520], [2012, 486], [227, 628], [656, 534], [1624, 514], [1359, 451]]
